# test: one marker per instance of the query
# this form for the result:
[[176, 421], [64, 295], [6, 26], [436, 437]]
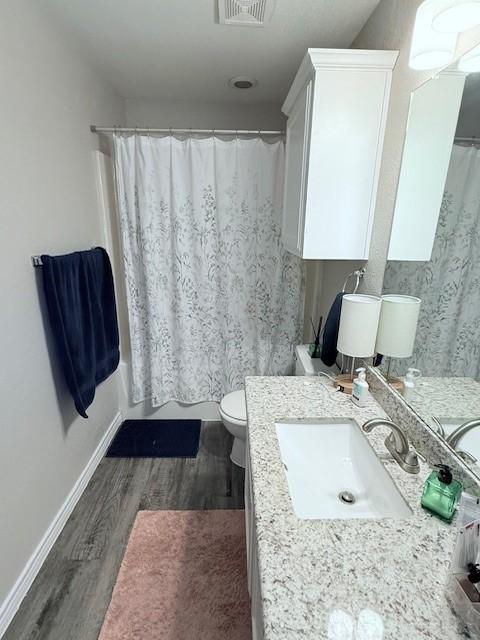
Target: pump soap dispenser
[[360, 388], [441, 492], [409, 383]]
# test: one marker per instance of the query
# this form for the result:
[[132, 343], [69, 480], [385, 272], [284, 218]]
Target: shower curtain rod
[[224, 132], [471, 139]]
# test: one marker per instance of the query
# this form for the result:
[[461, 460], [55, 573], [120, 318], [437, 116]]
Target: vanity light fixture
[[357, 331], [430, 49], [470, 62], [454, 16], [397, 329]]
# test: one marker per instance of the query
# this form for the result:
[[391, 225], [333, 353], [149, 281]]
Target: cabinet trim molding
[[314, 59]]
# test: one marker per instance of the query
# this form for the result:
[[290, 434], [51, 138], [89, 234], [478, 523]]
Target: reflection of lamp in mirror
[[430, 49], [454, 16], [357, 332], [397, 328]]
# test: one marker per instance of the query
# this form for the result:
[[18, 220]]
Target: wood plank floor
[[70, 595]]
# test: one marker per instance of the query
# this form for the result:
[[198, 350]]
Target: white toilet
[[233, 407]]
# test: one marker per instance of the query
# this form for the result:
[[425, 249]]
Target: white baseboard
[[10, 605]]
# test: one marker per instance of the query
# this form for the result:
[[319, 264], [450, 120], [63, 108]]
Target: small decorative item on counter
[[409, 383], [441, 493], [360, 388], [463, 585], [314, 348]]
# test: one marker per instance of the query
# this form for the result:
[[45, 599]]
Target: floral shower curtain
[[212, 295], [448, 335]]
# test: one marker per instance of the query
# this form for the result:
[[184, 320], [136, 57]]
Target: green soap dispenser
[[441, 492]]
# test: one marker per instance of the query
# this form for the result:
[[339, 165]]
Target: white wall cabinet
[[337, 110], [432, 120]]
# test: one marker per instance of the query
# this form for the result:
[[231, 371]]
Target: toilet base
[[237, 455]]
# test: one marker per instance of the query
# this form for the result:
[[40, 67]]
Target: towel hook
[[358, 274]]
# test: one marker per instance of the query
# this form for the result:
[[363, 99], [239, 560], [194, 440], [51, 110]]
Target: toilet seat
[[234, 407]]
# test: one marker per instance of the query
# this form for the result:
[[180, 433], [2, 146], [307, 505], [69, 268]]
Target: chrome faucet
[[454, 438], [396, 443]]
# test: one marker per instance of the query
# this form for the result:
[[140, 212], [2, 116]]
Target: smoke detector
[[246, 13]]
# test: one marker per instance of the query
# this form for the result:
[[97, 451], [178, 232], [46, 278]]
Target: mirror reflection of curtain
[[448, 335], [212, 295]]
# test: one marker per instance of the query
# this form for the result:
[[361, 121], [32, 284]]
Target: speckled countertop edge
[[315, 573]]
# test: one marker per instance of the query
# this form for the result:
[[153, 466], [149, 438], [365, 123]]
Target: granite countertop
[[318, 578]]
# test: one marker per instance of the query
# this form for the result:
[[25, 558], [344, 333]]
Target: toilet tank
[[306, 366]]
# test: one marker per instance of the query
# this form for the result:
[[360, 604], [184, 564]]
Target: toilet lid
[[234, 405]]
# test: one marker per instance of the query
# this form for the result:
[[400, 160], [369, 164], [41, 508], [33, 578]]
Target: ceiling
[[175, 49]]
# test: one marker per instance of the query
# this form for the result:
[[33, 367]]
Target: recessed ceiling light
[[242, 82]]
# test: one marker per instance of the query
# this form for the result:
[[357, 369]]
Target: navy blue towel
[[81, 305], [330, 332]]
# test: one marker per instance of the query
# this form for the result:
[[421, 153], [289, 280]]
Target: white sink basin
[[325, 459]]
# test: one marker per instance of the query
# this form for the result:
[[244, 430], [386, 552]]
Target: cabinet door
[[432, 121], [296, 160]]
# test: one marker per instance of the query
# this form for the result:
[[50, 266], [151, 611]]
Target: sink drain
[[346, 497]]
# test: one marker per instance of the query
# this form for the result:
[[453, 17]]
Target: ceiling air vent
[[246, 13]]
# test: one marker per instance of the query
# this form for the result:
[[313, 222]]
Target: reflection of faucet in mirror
[[454, 438], [396, 443], [467, 457], [440, 430]]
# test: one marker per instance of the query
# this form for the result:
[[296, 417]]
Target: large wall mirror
[[431, 342]]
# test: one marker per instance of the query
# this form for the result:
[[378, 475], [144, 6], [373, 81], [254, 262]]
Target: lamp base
[[345, 382], [395, 383]]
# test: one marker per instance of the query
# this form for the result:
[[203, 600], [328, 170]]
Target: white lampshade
[[470, 62], [454, 16], [358, 325], [397, 326], [430, 49]]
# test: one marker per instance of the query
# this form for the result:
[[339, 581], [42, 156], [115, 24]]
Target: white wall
[[48, 204], [204, 115]]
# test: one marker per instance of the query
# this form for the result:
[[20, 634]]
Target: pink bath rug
[[183, 577]]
